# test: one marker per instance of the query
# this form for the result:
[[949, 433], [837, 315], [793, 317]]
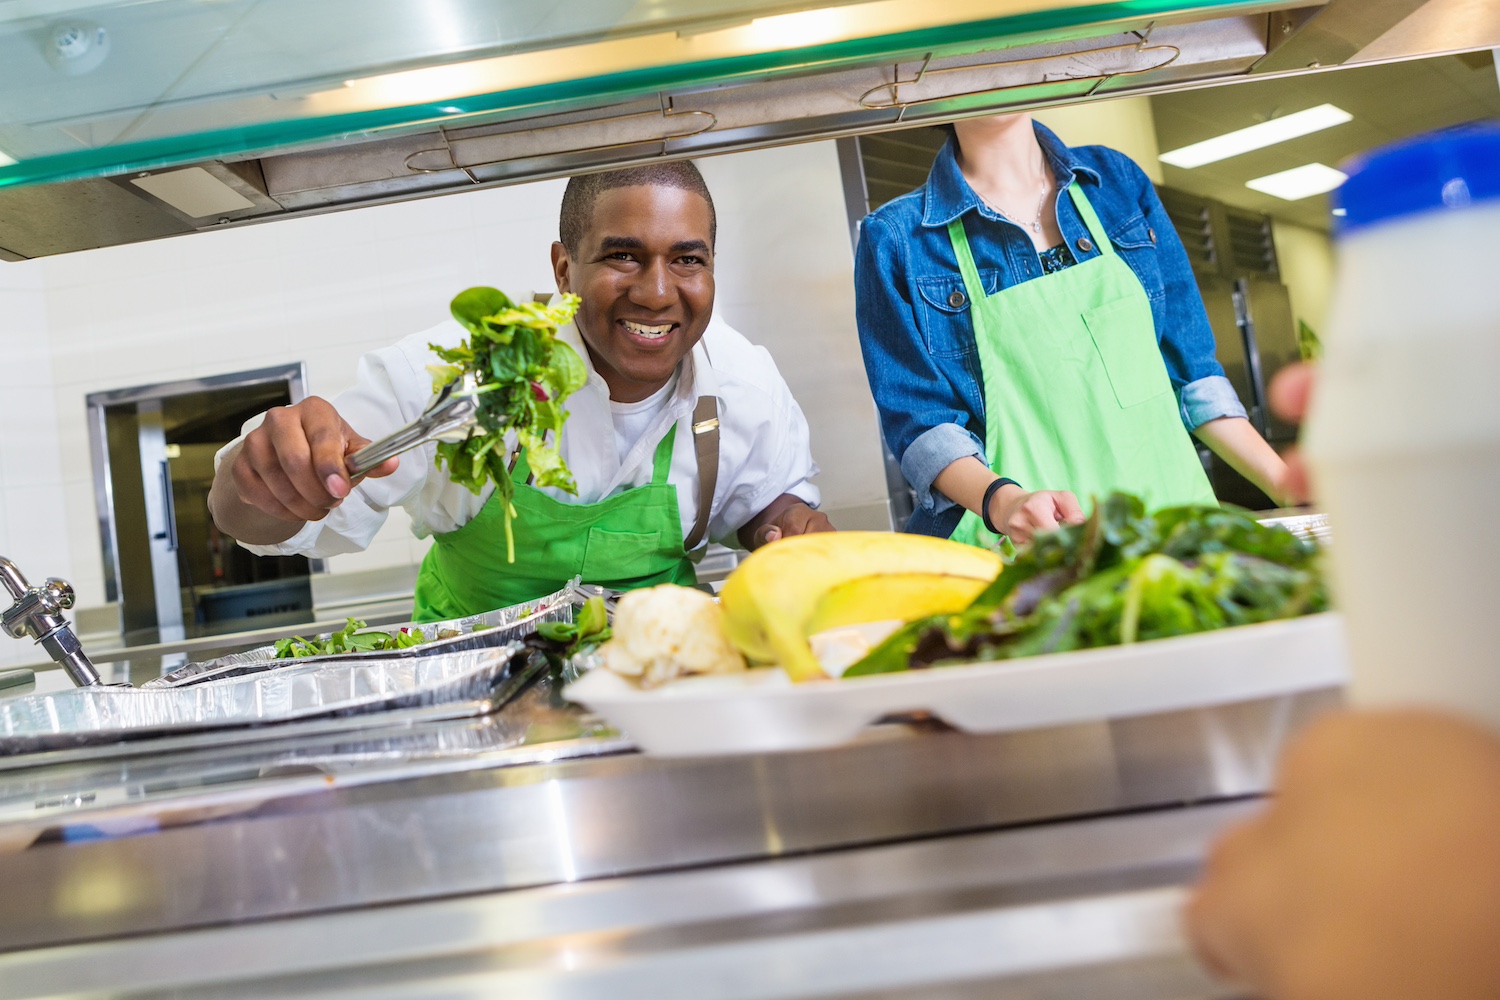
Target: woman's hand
[[1020, 514]]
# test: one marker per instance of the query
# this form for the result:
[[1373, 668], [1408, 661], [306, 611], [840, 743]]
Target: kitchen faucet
[[38, 613]]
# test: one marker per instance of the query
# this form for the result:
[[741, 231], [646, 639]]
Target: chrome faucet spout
[[12, 578], [37, 614]]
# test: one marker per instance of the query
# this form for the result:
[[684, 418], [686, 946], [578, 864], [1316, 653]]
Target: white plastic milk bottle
[[1404, 435]]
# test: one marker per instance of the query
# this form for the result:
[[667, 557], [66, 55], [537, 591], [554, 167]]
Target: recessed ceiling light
[[1299, 182], [1257, 136], [6, 161]]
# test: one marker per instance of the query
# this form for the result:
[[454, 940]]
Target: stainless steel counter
[[1086, 910], [533, 852]]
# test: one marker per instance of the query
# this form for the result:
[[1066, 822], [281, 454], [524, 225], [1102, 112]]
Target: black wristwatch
[[989, 494]]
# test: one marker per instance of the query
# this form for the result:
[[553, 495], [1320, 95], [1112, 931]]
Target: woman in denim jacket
[[1033, 334]]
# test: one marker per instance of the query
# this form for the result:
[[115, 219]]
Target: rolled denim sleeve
[[1208, 399], [922, 415], [932, 452], [1187, 342]]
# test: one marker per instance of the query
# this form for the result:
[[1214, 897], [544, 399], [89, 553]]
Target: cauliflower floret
[[665, 631]]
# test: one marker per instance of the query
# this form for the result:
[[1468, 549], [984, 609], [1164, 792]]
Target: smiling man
[[684, 433]]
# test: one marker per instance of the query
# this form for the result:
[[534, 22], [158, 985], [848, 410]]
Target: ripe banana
[[892, 597], [772, 596]]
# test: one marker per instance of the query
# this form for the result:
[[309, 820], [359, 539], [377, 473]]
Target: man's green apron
[[1076, 394], [629, 540]]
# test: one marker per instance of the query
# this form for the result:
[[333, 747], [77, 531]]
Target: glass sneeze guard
[[95, 89]]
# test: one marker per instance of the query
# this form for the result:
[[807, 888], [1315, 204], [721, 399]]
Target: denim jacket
[[916, 335]]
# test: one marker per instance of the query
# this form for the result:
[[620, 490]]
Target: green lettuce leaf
[[524, 374], [1123, 576]]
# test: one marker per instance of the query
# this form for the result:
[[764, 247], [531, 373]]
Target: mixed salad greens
[[350, 639], [590, 628], [1123, 576], [524, 374]]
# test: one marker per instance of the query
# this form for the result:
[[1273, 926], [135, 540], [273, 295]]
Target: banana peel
[[770, 600]]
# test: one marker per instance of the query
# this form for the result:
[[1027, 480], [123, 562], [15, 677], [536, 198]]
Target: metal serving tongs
[[453, 412]]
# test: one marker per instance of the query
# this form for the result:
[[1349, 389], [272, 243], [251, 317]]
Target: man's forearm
[[238, 519]]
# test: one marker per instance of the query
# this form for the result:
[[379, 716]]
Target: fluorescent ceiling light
[[1257, 136], [797, 29], [6, 161], [1299, 182]]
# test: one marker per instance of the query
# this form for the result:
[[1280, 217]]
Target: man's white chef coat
[[763, 443]]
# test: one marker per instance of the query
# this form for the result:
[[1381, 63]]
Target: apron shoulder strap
[[960, 241], [706, 444], [1091, 219]]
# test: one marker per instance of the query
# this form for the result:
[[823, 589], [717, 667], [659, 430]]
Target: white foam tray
[[762, 710]]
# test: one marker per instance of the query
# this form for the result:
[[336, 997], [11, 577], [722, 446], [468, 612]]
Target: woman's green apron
[[629, 540], [1076, 394]]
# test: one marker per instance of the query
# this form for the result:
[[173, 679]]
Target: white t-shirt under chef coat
[[764, 449]]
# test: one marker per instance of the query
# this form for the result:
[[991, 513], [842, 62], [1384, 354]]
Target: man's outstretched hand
[[286, 472]]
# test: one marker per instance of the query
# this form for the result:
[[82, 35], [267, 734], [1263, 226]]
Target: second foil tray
[[491, 628], [469, 680]]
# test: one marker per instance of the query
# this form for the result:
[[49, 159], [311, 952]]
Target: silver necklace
[[1035, 225]]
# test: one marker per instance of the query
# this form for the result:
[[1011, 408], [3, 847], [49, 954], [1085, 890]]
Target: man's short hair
[[584, 190]]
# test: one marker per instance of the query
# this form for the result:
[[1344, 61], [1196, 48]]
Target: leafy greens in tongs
[[520, 374]]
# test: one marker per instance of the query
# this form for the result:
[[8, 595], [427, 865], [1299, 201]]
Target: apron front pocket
[[1124, 334], [618, 556]]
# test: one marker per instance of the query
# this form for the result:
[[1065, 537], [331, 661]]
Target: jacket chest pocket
[[622, 555], [1125, 337], [944, 313], [1136, 243]]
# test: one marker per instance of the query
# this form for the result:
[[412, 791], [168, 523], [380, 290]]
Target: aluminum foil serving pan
[[304, 690], [1314, 526], [493, 628]]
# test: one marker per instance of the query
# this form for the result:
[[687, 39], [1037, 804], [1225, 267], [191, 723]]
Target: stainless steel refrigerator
[[1234, 260]]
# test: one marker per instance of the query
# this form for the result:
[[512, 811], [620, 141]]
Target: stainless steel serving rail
[[1085, 909], [533, 854]]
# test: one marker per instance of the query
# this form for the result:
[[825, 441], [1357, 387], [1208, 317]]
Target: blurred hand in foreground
[[1373, 875], [1375, 871]]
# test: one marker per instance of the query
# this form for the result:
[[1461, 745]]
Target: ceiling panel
[[1389, 102]]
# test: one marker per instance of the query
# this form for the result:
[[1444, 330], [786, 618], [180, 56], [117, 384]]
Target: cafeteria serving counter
[[533, 853]]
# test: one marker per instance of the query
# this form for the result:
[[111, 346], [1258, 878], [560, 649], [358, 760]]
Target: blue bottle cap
[[1442, 170]]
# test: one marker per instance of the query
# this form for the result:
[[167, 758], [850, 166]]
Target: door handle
[[169, 509]]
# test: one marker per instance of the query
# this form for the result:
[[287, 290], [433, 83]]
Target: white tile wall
[[323, 290], [33, 525], [785, 279]]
